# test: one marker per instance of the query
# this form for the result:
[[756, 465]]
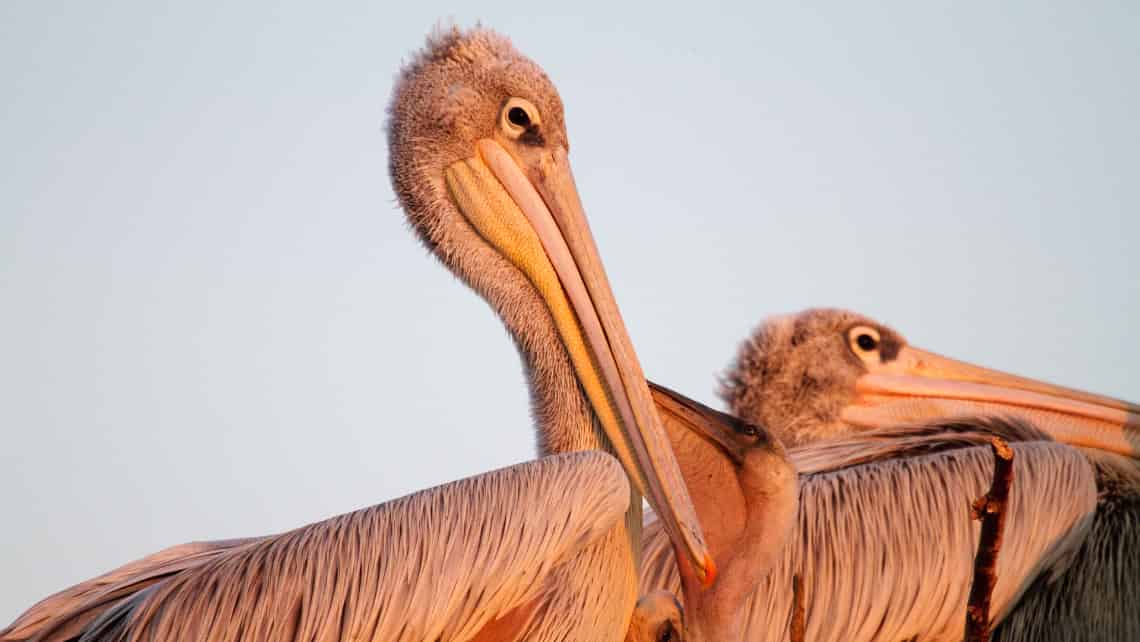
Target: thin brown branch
[[991, 510], [797, 632]]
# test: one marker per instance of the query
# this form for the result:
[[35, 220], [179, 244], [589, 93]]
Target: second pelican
[[829, 373]]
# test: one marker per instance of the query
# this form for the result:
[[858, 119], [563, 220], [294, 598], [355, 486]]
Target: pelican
[[884, 535], [478, 160], [886, 441], [823, 373]]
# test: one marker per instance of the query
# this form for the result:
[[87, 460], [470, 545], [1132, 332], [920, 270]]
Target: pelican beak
[[720, 435], [531, 214], [920, 385], [712, 425]]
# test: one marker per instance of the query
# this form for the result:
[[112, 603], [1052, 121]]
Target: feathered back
[[885, 550], [440, 564]]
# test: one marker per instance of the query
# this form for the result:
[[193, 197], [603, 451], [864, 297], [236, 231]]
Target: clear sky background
[[214, 322]]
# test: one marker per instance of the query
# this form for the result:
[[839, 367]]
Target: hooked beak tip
[[710, 571]]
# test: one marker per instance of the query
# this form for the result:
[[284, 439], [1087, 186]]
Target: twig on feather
[[797, 632], [991, 510]]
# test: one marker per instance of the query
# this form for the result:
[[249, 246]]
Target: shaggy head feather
[[796, 373]]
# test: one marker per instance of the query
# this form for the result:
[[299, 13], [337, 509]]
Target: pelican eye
[[666, 633], [518, 116], [519, 119], [864, 340], [747, 430]]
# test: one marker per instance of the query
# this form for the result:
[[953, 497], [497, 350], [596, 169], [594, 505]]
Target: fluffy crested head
[[449, 96], [797, 372]]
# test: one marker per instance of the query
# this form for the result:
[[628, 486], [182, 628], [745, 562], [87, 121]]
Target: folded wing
[[445, 563]]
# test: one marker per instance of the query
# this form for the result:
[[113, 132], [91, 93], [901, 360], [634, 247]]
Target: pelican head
[[657, 618], [826, 372], [478, 159]]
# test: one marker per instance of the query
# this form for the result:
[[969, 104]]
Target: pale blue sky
[[215, 323]]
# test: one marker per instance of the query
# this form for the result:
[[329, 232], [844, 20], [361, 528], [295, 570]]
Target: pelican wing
[[448, 563], [885, 548]]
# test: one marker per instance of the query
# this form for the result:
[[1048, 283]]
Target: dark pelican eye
[[866, 342], [518, 116], [520, 120], [748, 430]]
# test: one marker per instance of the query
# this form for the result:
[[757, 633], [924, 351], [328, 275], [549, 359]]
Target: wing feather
[[440, 564]]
